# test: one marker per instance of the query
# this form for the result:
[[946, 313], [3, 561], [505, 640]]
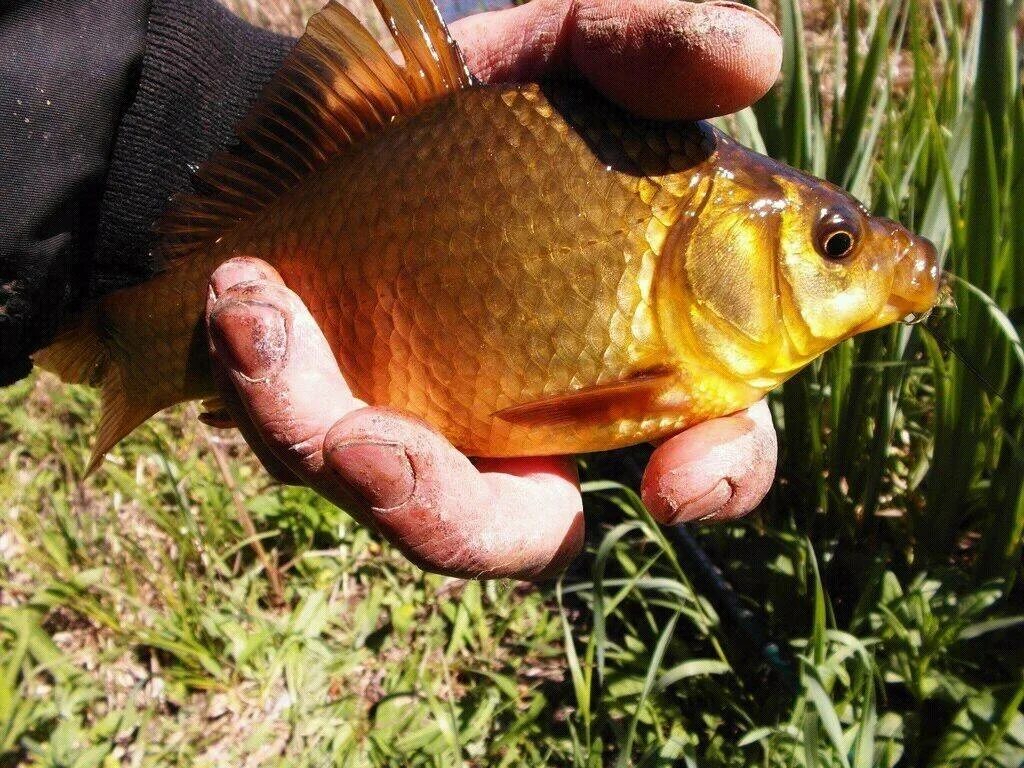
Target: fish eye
[[838, 244], [836, 236]]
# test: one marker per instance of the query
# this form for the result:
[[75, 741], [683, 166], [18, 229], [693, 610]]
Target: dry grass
[[289, 17]]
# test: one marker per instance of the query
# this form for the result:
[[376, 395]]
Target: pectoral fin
[[632, 397]]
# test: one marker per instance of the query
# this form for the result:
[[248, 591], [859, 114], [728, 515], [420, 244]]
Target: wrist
[[202, 70]]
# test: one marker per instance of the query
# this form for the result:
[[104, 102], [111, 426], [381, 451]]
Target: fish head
[[770, 267], [842, 271]]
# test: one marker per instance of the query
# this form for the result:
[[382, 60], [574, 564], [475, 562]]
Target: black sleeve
[[106, 109]]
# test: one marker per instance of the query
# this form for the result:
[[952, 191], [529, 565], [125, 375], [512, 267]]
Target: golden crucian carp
[[528, 268]]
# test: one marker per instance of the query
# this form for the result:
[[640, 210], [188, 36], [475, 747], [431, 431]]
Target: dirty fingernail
[[235, 271], [761, 15], [249, 337], [710, 505], [671, 504], [380, 473]]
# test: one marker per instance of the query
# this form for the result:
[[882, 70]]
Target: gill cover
[[717, 289]]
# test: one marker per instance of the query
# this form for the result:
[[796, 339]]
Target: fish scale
[[528, 268], [439, 317], [455, 312]]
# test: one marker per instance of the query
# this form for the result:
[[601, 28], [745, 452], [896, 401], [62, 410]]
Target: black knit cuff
[[67, 73], [202, 70]]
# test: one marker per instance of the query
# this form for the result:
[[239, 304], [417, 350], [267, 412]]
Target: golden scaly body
[[527, 268], [484, 254]]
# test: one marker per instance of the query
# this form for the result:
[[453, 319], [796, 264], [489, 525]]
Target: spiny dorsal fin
[[336, 86]]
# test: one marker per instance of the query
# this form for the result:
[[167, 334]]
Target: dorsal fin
[[336, 86]]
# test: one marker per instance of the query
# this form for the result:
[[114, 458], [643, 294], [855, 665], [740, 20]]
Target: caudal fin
[[82, 356]]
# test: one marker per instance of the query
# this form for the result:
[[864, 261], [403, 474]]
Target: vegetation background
[[178, 609]]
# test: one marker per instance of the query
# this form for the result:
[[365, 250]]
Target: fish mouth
[[897, 312], [915, 285]]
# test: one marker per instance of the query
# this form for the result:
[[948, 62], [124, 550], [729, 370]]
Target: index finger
[[663, 59], [716, 471]]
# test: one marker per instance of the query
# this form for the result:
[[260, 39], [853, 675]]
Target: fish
[[527, 267]]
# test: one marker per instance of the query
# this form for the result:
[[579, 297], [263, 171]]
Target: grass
[[867, 615]]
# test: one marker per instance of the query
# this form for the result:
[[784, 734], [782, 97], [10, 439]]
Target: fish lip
[[889, 314], [915, 289], [896, 310], [916, 318]]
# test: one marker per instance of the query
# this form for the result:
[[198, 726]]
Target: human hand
[[519, 518]]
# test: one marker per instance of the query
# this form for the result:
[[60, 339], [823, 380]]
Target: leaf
[[829, 719], [692, 668], [992, 625], [652, 669]]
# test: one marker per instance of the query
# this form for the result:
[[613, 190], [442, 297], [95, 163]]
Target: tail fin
[[81, 355]]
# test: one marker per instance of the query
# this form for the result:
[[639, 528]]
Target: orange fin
[[337, 86], [633, 396], [82, 355]]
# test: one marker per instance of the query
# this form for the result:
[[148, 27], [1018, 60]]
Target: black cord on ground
[[708, 578]]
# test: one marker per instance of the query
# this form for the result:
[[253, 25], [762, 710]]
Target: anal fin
[[631, 397], [121, 415]]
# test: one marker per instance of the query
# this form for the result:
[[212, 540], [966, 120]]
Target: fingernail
[[250, 337], [235, 271], [706, 506], [380, 473], [748, 9]]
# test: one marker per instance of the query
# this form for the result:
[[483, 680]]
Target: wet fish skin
[[504, 246], [478, 257], [528, 268]]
